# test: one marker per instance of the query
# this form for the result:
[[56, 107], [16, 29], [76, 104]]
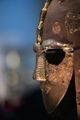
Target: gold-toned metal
[[67, 48], [40, 73], [41, 21]]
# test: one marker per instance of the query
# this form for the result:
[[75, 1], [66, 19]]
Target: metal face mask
[[58, 51]]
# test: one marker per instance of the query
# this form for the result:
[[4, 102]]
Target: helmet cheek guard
[[57, 51]]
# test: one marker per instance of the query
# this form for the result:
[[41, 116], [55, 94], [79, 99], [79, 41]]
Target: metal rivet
[[56, 28]]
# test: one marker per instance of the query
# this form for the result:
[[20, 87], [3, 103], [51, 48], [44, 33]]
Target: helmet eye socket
[[55, 56]]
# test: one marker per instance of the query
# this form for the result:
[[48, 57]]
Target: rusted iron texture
[[59, 55]]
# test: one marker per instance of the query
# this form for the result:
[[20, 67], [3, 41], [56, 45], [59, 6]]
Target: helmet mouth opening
[[55, 56]]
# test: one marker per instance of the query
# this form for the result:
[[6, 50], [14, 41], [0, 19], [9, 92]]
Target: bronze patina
[[58, 51]]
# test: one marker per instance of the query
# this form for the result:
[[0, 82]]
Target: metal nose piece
[[40, 73]]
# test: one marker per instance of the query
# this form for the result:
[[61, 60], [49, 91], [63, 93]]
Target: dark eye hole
[[55, 56]]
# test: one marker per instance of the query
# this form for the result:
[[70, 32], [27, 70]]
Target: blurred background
[[18, 24], [20, 95]]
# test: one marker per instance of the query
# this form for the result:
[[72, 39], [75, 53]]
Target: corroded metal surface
[[62, 73], [58, 30], [72, 21], [77, 78], [62, 23]]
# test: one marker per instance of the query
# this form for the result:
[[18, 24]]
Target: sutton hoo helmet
[[58, 51]]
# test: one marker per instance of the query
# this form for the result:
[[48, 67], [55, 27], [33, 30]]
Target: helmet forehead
[[62, 22]]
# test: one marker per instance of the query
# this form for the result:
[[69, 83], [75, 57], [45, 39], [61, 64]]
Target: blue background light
[[18, 21], [18, 25]]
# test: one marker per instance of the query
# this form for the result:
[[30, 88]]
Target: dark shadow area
[[32, 107], [55, 56], [67, 108]]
